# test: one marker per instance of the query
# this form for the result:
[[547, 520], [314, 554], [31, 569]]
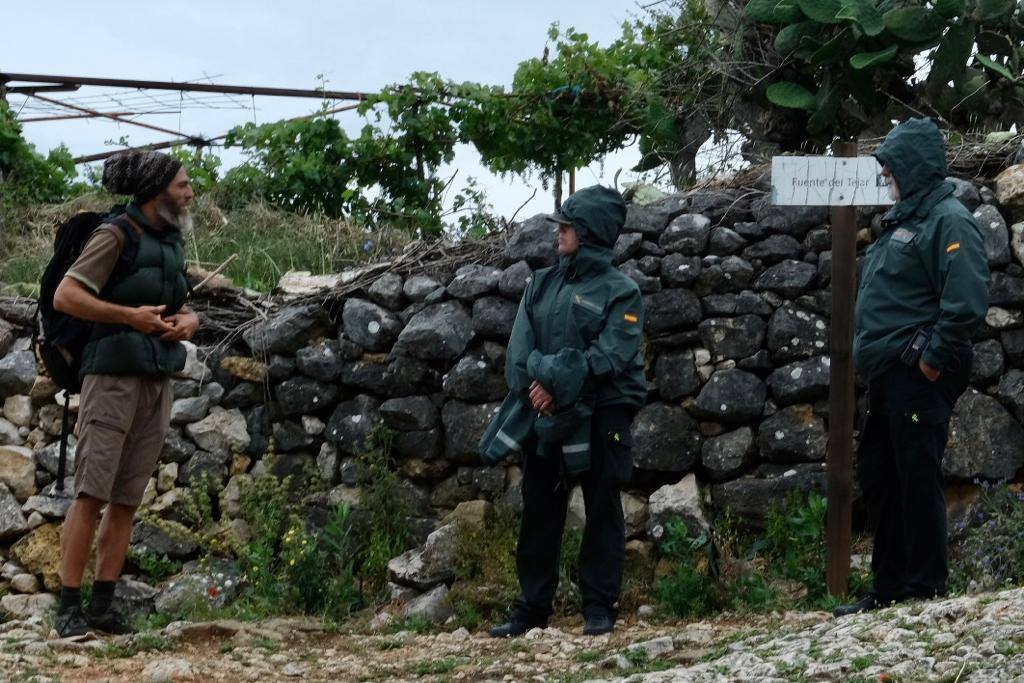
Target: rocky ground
[[977, 638]]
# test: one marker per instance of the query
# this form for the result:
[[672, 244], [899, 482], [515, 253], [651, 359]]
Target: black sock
[[69, 597], [102, 596]]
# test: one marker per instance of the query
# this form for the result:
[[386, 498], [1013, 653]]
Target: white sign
[[828, 181]]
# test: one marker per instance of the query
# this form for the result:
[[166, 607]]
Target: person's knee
[[87, 506]]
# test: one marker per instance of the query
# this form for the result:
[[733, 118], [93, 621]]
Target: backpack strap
[[62, 461]]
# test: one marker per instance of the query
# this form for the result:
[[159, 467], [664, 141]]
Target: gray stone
[[489, 480], [650, 219], [473, 281], [438, 332], [387, 291], [475, 379], [18, 410], [688, 234], [817, 241], [751, 497], [135, 597], [220, 432], [627, 246], [411, 413], [795, 334], [433, 606], [327, 463], [665, 439], [148, 537], [997, 236], [426, 445], [18, 470], [25, 583], [988, 362], [288, 330], [352, 422], [647, 284], [290, 436], [313, 425], [794, 434], [984, 440], [304, 395], [17, 373], [1013, 346], [966, 192], [532, 241], [24, 607], [419, 287], [680, 271], [281, 367], [213, 391], [427, 566], [212, 467], [732, 337], [729, 455], [789, 220], [514, 279], [676, 375], [804, 380], [789, 278], [368, 375], [731, 396], [722, 205], [1010, 392], [53, 507], [1005, 290], [464, 424], [724, 242], [10, 434], [214, 585], [719, 305], [371, 326], [774, 249], [321, 362], [493, 317], [244, 395], [186, 410], [176, 449], [12, 522], [680, 501], [671, 309]]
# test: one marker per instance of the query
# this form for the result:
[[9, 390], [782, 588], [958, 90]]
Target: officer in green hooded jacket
[[923, 292], [583, 308]]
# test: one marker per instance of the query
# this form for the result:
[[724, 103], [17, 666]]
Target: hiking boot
[[514, 627], [71, 623], [110, 621], [598, 624], [865, 604]]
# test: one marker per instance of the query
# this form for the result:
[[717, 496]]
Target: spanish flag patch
[[631, 318], [952, 247]]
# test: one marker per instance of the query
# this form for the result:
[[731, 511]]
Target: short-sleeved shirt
[[99, 257]]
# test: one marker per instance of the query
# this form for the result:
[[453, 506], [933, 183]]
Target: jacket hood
[[598, 214], [916, 153]]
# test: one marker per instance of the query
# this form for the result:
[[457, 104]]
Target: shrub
[[988, 548], [689, 588]]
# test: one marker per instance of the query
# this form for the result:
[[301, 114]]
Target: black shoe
[[514, 627], [109, 621], [598, 624], [71, 623], [865, 604]]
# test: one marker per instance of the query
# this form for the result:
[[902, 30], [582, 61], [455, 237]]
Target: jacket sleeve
[[520, 344], [618, 342], [959, 265]]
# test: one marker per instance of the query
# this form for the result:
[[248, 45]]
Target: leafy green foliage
[[796, 542], [27, 175], [689, 589]]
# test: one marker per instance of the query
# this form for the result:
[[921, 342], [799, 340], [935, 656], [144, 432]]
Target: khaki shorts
[[122, 424]]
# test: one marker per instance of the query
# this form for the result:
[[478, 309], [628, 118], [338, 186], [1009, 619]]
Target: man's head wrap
[[142, 174]]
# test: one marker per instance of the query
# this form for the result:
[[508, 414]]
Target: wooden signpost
[[842, 181]]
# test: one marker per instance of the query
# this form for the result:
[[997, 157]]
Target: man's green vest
[[156, 276]]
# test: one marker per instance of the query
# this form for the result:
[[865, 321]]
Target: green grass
[[434, 667]]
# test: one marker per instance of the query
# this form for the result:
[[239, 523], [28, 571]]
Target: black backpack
[[59, 339]]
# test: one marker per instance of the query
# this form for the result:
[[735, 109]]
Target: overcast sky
[[358, 46]]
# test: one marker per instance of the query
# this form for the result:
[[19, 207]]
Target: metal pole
[[114, 117], [839, 464], [191, 87], [71, 117]]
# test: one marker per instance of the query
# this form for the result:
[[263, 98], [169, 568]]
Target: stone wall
[[737, 331]]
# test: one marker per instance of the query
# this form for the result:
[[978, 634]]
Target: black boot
[[598, 624], [865, 604], [71, 622], [515, 626]]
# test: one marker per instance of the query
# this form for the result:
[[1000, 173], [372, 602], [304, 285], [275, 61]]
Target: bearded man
[[139, 323]]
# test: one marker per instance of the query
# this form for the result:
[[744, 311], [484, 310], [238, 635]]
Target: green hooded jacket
[[583, 303], [928, 268]]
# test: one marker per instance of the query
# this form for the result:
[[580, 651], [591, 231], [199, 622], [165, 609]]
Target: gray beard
[[182, 222]]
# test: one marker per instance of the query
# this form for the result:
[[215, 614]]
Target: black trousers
[[899, 468], [545, 501]]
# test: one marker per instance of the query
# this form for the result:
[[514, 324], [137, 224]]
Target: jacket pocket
[[587, 317], [618, 450]]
